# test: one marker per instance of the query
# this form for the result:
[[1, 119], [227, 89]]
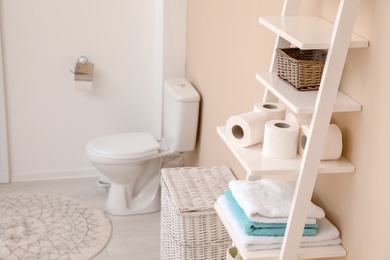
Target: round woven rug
[[47, 226]]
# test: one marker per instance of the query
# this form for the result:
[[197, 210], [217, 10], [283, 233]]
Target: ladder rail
[[290, 7], [327, 93]]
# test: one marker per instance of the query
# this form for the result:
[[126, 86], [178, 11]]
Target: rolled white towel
[[268, 198], [327, 233]]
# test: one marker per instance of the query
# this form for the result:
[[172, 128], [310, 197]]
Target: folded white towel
[[327, 233], [268, 198]]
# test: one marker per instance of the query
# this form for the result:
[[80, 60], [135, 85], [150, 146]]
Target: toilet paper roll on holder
[[83, 70]]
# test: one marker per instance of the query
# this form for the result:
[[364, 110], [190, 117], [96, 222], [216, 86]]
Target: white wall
[[49, 123]]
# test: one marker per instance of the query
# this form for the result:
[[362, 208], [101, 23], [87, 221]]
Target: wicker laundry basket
[[190, 227]]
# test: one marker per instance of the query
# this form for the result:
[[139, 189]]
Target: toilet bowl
[[132, 161]]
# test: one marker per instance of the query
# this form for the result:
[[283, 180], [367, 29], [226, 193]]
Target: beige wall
[[226, 47]]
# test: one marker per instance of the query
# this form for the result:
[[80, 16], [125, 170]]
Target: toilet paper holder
[[83, 70]]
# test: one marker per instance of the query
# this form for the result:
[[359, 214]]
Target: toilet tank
[[181, 112]]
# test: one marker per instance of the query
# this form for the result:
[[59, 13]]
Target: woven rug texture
[[42, 226]]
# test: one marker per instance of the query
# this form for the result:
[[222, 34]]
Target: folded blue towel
[[262, 229]]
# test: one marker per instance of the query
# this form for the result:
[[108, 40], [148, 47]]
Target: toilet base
[[121, 204]]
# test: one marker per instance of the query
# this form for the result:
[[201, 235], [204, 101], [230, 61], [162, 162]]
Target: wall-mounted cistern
[[83, 74]]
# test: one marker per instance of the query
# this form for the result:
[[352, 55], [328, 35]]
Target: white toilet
[[132, 161]]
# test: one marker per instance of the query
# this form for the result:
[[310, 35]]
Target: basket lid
[[196, 189]]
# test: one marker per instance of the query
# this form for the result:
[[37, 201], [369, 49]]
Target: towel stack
[[259, 210]]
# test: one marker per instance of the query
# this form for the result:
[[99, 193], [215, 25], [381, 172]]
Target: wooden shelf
[[255, 164], [304, 253], [303, 102], [306, 32]]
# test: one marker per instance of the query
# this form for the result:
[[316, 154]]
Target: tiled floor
[[133, 237]]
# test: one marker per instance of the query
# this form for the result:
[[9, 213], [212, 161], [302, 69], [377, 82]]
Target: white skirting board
[[171, 161], [55, 175]]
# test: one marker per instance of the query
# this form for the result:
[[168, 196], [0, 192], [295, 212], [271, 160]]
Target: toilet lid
[[124, 146]]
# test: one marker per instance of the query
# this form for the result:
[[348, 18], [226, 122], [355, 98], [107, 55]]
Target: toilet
[[132, 161]]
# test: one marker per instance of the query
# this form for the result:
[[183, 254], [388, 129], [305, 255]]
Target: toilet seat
[[124, 146]]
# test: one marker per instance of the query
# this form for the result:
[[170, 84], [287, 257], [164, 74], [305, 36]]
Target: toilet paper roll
[[246, 129], [299, 119], [84, 86], [280, 139], [333, 146], [272, 110]]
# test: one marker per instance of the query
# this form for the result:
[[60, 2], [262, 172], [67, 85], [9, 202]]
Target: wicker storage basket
[[301, 69], [190, 227]]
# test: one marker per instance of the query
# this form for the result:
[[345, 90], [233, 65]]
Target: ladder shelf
[[303, 102], [255, 164], [306, 32], [304, 253]]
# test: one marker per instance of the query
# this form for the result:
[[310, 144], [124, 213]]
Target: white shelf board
[[255, 164], [307, 32], [304, 253], [303, 102]]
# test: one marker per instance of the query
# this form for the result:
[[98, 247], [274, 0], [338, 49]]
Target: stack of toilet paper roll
[[300, 120], [248, 129], [282, 135], [333, 142], [280, 139]]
